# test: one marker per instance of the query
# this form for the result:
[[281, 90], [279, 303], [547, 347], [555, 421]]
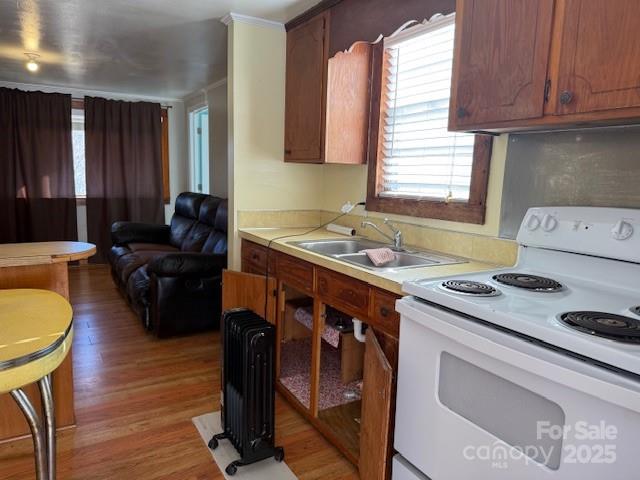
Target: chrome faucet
[[397, 234]]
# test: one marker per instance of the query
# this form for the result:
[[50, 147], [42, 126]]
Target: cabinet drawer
[[294, 272], [254, 258], [344, 293], [383, 312]]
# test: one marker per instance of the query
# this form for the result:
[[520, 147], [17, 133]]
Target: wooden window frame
[[472, 211]]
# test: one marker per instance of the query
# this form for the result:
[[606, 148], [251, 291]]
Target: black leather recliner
[[172, 274]]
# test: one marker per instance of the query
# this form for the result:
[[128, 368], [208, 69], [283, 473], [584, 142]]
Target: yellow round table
[[36, 331]]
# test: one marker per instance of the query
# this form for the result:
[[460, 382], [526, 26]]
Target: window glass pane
[[199, 145], [420, 157], [77, 134]]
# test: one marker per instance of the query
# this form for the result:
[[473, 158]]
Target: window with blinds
[[420, 158]]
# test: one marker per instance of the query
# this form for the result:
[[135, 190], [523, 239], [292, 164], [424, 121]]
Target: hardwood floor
[[135, 397]]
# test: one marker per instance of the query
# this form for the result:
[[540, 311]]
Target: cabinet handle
[[287, 152], [566, 97], [255, 256], [462, 112], [384, 311]]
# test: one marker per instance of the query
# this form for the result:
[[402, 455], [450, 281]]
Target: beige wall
[[259, 178]]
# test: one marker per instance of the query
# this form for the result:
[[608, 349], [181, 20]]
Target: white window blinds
[[420, 158]]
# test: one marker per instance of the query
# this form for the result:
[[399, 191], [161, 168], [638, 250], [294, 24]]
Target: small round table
[[36, 331]]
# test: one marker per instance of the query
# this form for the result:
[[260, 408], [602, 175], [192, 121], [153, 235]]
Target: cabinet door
[[307, 47], [347, 111], [245, 290], [599, 66], [377, 412], [500, 61]]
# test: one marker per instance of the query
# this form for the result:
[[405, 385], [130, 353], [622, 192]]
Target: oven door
[[476, 402], [403, 470]]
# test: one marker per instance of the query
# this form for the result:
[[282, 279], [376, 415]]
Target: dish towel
[[380, 256]]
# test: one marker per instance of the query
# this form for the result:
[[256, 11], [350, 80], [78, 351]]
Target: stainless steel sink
[[338, 247], [349, 250]]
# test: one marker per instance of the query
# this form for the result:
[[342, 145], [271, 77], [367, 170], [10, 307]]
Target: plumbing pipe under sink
[[358, 330]]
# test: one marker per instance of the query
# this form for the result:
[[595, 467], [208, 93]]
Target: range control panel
[[603, 232]]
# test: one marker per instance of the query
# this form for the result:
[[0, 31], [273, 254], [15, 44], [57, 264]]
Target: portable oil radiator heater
[[248, 388]]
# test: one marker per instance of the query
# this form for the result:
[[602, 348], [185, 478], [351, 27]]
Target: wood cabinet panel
[[599, 56], [255, 258], [248, 267], [587, 74], [348, 99], [244, 290], [383, 315], [377, 412], [307, 47], [343, 292], [294, 272], [500, 61]]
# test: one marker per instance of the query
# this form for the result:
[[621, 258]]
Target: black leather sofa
[[172, 274]]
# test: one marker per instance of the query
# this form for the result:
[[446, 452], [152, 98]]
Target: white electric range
[[532, 371]]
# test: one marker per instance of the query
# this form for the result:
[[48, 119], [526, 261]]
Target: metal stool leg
[[46, 395], [35, 424]]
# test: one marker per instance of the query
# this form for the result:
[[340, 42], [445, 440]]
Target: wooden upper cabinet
[[500, 61], [348, 101], [327, 99], [534, 64], [307, 50], [599, 56]]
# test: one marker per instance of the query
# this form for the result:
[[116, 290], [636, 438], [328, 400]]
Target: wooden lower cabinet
[[345, 388], [247, 290], [378, 406]]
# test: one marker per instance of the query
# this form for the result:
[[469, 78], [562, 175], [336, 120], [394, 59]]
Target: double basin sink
[[350, 251]]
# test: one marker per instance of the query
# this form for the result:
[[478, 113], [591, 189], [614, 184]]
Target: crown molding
[[218, 83], [194, 94], [260, 22], [203, 91]]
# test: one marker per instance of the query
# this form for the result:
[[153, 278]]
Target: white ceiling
[[159, 48]]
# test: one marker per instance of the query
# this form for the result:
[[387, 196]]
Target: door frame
[[194, 141]]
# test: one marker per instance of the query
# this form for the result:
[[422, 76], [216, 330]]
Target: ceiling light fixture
[[32, 65]]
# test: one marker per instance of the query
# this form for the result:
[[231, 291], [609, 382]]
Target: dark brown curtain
[[37, 195], [124, 167]]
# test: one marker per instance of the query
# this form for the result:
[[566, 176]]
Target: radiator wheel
[[213, 443], [279, 455], [231, 469]]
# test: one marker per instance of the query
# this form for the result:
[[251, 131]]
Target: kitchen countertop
[[42, 266], [38, 253], [390, 281]]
